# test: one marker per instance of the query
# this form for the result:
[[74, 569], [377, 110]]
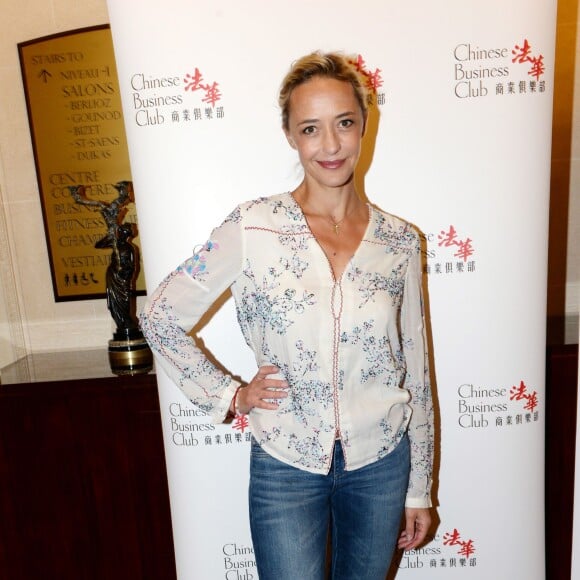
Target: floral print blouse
[[353, 350]]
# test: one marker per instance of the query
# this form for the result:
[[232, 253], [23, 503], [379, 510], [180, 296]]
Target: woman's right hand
[[259, 389]]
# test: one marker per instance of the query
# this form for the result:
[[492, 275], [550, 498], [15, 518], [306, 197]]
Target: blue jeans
[[292, 512]]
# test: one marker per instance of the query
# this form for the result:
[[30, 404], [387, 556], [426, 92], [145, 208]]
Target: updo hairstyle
[[331, 65]]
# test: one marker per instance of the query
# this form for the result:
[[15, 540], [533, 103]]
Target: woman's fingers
[[262, 392]]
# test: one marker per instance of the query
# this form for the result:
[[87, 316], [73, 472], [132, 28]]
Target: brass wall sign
[[78, 137]]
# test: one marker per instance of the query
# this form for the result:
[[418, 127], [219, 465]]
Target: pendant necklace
[[337, 224]]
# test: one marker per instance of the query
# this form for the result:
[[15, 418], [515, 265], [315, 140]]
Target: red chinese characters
[[240, 423], [450, 238], [195, 82], [520, 393], [523, 54], [374, 79], [466, 547]]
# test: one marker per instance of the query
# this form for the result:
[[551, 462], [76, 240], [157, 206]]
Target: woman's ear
[[289, 139]]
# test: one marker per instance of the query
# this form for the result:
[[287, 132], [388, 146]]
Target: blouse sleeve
[[176, 306], [417, 382]]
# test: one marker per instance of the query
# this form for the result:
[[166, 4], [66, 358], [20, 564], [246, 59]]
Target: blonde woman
[[328, 296]]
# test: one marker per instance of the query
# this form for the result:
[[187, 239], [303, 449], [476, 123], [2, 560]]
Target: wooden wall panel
[[83, 489]]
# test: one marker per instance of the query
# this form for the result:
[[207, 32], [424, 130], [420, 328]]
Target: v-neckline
[[335, 278]]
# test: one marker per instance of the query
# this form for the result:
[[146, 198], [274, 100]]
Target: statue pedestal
[[129, 353]]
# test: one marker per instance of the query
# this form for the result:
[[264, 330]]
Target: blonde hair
[[317, 64]]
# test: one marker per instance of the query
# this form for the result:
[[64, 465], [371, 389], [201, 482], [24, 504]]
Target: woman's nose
[[331, 142]]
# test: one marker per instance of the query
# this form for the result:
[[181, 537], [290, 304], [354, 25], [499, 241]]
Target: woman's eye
[[346, 123], [309, 130]]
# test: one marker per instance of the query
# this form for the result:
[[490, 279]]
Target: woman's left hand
[[417, 522]]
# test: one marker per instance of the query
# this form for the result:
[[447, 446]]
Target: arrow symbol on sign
[[44, 74]]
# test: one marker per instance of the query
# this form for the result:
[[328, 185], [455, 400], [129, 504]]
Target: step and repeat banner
[[458, 143]]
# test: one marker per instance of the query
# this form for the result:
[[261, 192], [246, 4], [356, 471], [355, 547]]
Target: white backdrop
[[460, 146]]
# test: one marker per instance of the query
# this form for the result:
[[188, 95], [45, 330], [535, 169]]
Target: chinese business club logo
[[190, 427], [449, 252], [497, 407], [451, 551], [483, 72], [175, 98], [239, 561]]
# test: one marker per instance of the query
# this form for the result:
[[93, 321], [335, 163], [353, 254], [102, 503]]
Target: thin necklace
[[337, 224]]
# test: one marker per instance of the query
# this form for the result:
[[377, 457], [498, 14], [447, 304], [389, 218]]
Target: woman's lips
[[331, 164]]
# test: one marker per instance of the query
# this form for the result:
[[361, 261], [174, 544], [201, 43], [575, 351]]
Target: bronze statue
[[122, 270], [120, 278], [128, 351]]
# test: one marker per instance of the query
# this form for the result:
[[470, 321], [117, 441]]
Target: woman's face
[[325, 126]]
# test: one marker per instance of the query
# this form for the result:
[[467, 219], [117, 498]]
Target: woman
[[328, 296]]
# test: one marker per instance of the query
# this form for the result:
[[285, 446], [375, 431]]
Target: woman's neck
[[331, 203]]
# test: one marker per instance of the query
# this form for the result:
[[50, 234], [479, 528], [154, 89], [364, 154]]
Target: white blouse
[[352, 350]]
